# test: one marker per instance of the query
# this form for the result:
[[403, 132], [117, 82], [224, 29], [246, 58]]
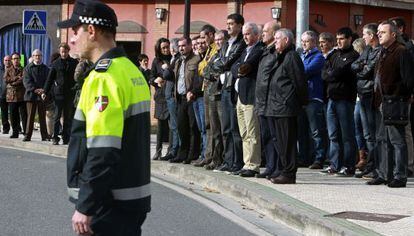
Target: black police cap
[[91, 12]]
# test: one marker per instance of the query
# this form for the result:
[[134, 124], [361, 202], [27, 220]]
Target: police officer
[[108, 161]]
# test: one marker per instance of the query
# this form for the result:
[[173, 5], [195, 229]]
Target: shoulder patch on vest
[[103, 65]]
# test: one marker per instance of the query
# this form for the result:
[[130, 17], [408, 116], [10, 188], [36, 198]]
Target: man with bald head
[[264, 74], [34, 79]]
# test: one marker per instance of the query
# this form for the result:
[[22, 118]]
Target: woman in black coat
[[162, 60]]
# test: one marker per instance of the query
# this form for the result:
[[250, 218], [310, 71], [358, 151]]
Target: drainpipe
[[187, 18], [302, 19]]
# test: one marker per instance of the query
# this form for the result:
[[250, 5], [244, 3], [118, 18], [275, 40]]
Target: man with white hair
[[312, 115], [267, 61], [34, 79], [287, 94], [245, 71]]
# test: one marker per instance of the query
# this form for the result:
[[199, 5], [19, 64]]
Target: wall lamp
[[358, 20], [276, 13], [160, 13]]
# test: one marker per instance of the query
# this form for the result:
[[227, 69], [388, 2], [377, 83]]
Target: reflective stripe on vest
[[104, 142], [123, 194], [137, 108]]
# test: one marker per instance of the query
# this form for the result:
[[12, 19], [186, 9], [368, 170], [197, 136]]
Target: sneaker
[[328, 171], [345, 172]]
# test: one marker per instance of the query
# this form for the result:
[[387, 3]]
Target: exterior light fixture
[[358, 20], [160, 13], [276, 13]]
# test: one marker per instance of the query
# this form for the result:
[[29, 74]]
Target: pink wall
[[257, 11], [214, 13], [141, 13]]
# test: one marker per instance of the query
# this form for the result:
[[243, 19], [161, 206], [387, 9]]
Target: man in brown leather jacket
[[393, 79], [15, 94]]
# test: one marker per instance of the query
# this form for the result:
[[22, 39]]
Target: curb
[[276, 205]]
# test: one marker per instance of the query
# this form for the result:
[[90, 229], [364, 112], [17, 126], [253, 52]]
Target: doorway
[[132, 49]]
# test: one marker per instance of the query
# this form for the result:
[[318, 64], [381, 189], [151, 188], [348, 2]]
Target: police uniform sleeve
[[100, 106]]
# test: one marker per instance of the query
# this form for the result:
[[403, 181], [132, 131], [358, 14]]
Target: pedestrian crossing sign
[[34, 22]]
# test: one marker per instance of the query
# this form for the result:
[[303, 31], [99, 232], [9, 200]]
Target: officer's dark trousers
[[114, 221], [15, 109], [4, 106], [284, 136], [31, 111], [66, 107], [187, 130], [233, 152]]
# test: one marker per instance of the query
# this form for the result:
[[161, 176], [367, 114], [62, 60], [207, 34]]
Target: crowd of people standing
[[48, 90], [237, 99]]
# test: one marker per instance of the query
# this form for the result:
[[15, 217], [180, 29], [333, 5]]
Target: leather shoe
[[283, 180], [262, 175], [176, 160], [377, 181], [5, 131], [316, 165], [167, 157], [397, 183], [187, 161], [26, 139], [236, 171], [202, 163], [211, 166], [14, 135], [248, 173]]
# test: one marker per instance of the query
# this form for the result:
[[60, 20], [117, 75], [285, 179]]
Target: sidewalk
[[304, 206]]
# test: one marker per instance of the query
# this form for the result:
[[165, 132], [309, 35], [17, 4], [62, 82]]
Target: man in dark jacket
[[409, 131], [34, 79], [341, 91], [184, 74], [364, 68], [267, 61], [393, 87], [231, 51], [245, 73], [61, 79], [4, 106], [213, 92], [313, 115], [287, 93]]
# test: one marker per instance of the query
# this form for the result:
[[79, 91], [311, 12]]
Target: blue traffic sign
[[34, 22]]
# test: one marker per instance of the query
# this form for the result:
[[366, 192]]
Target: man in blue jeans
[[313, 62], [172, 105], [364, 68], [341, 91]]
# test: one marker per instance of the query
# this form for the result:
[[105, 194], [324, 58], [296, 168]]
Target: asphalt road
[[33, 201]]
